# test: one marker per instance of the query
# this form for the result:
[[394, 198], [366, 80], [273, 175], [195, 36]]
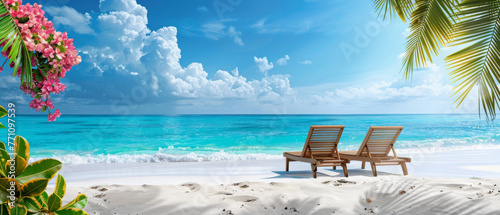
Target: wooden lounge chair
[[320, 148], [375, 149]]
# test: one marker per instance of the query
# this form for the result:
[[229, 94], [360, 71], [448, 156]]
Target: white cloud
[[263, 64], [430, 85], [128, 48], [235, 35], [70, 17], [214, 30], [18, 99], [305, 62], [433, 67], [8, 82], [283, 61], [407, 32], [402, 55]]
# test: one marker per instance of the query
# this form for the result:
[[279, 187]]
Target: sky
[[238, 57]]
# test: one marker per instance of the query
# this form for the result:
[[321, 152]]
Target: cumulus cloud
[[70, 17], [130, 54], [305, 62], [263, 64], [283, 61]]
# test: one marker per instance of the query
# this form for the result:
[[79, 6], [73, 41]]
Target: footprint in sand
[[192, 186], [224, 193], [244, 198]]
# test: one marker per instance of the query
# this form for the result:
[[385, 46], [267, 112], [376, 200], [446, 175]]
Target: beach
[[445, 182]]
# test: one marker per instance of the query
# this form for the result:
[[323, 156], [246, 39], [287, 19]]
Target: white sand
[[453, 182]]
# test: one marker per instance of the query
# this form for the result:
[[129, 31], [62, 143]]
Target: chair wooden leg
[[403, 166], [314, 169], [374, 169], [363, 165], [334, 167], [287, 164], [344, 167]]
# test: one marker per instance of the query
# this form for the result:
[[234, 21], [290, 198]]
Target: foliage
[[472, 25], [3, 113], [39, 54], [22, 185]]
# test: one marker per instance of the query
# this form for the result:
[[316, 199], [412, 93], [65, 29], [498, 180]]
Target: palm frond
[[478, 64], [19, 54], [431, 28], [402, 8]]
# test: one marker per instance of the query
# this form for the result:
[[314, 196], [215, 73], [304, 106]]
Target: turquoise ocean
[[82, 139]]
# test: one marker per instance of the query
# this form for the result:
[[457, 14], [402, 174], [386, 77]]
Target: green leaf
[[79, 202], [71, 211], [8, 185], [4, 193], [402, 8], [20, 165], [3, 209], [11, 33], [22, 147], [2, 126], [2, 146], [18, 210], [46, 168], [34, 187], [478, 63], [3, 112], [42, 199], [4, 157], [431, 28], [60, 187], [54, 202], [31, 204]]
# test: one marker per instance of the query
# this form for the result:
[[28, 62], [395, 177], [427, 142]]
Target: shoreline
[[166, 156], [452, 164]]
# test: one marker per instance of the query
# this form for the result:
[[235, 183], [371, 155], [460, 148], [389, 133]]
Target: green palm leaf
[[478, 64], [19, 54], [402, 8], [431, 28]]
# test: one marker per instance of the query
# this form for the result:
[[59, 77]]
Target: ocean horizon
[[82, 139]]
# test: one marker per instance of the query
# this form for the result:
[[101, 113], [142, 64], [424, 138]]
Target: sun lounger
[[375, 149], [320, 148]]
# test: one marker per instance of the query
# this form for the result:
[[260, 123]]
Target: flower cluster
[[52, 54]]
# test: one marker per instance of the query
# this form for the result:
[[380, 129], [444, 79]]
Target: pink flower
[[53, 117], [33, 61], [55, 52], [49, 104]]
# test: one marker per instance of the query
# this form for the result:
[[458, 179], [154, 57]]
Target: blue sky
[[238, 57]]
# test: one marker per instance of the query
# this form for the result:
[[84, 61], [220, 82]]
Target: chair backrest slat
[[322, 140], [379, 140]]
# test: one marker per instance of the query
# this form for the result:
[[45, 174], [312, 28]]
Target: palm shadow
[[404, 198]]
